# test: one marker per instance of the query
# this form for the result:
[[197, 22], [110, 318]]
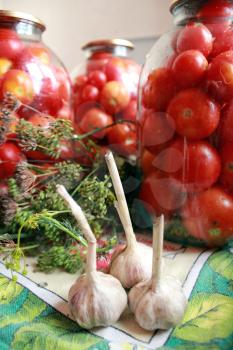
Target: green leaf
[[50, 334], [222, 263], [9, 290], [31, 308], [207, 317]]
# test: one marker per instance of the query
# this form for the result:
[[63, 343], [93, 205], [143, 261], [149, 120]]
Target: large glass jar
[[186, 122], [35, 91], [105, 93]]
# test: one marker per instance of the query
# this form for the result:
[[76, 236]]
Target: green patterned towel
[[29, 323]]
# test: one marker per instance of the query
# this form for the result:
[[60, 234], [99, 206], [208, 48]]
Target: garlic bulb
[[134, 264], [158, 303], [96, 299]]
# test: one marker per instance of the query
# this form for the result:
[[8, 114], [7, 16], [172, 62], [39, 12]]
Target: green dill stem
[[19, 234], [94, 131], [65, 229], [81, 182]]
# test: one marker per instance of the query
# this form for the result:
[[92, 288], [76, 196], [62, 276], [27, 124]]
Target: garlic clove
[[96, 299], [133, 265], [99, 303], [161, 309], [159, 302]]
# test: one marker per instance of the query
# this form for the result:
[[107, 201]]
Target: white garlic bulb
[[96, 299], [158, 303], [134, 264]]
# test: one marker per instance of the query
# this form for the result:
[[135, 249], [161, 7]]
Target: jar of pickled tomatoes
[[30, 70], [105, 95], [186, 122], [35, 91]]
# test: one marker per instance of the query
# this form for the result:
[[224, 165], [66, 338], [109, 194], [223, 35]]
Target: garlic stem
[[122, 207], [158, 233], [78, 214], [85, 228]]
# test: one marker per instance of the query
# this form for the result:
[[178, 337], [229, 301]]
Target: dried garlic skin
[[98, 301], [161, 309], [133, 265]]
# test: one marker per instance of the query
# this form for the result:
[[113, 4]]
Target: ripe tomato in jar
[[10, 156], [19, 84], [122, 139], [209, 216], [195, 114], [162, 194], [10, 43]]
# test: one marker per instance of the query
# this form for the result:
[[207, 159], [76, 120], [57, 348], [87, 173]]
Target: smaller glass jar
[[105, 93]]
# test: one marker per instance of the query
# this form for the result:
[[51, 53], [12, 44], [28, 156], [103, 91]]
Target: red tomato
[[223, 39], [130, 112], [10, 44], [5, 65], [66, 151], [226, 125], [33, 53], [122, 139], [162, 195], [114, 97], [95, 118], [195, 114], [10, 156], [66, 112], [159, 89], [98, 60], [64, 82], [97, 78], [81, 109], [89, 93], [189, 68], [146, 162], [226, 154], [201, 164], [195, 36], [219, 80], [216, 8], [209, 216], [157, 130], [115, 69], [19, 84], [79, 82]]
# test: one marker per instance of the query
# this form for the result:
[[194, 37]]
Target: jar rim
[[175, 3], [108, 42], [8, 15]]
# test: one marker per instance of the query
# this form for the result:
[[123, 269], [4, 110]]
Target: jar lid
[[109, 42], [175, 3], [7, 15]]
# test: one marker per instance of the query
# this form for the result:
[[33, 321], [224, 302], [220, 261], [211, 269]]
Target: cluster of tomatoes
[[187, 129], [105, 99], [31, 74]]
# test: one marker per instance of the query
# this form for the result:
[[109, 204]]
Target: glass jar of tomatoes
[[186, 122], [35, 92], [30, 70], [105, 95]]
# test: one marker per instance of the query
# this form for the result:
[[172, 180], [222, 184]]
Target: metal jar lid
[[9, 16], [108, 42]]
